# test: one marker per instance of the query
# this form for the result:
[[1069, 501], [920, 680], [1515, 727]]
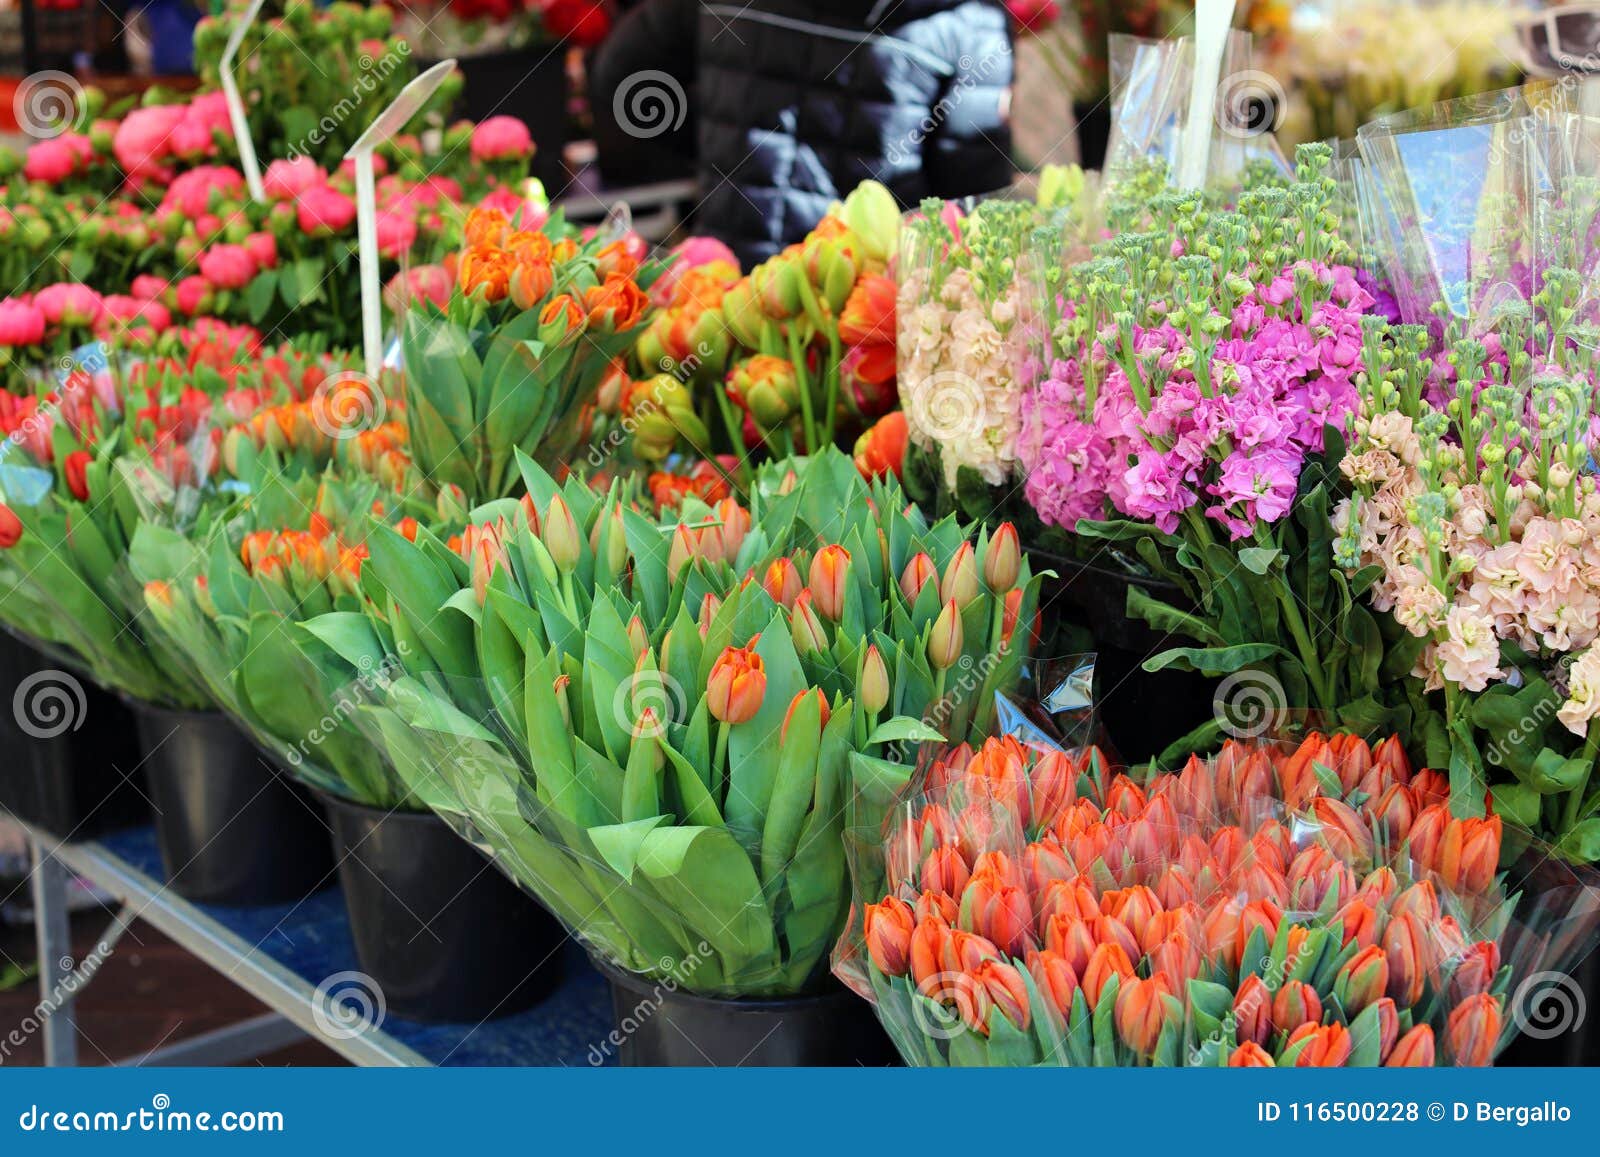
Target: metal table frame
[[289, 995]]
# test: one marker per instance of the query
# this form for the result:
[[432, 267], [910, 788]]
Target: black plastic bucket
[[441, 931], [529, 84], [232, 829], [1554, 1001], [1094, 131], [659, 1025], [1142, 711], [74, 749]]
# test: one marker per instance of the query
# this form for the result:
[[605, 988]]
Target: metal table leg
[[55, 957]]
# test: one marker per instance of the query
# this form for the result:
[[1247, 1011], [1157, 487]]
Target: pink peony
[[264, 248], [396, 233], [510, 204], [149, 287], [68, 303], [286, 180], [190, 192], [210, 110], [21, 322], [141, 141], [501, 138], [419, 283], [322, 211], [52, 161], [698, 251], [194, 295], [228, 266], [124, 314]]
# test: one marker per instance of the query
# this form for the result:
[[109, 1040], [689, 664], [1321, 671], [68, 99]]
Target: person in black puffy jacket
[[788, 104]]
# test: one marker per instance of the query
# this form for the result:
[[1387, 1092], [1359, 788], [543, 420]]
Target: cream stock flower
[[1583, 693]]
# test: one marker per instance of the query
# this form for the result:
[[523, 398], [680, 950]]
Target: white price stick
[[389, 122], [1212, 21], [236, 117]]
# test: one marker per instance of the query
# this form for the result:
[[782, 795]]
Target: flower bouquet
[[1316, 907], [651, 725], [1189, 423], [513, 362]]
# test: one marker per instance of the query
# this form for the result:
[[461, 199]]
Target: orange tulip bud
[[794, 705], [993, 984], [810, 636], [1252, 1011], [1295, 1004], [1002, 560], [919, 572], [1142, 1010], [1415, 1050], [944, 870], [783, 582], [1108, 960], [946, 641], [959, 584], [1473, 1031], [1327, 1047], [888, 928], [737, 684], [1251, 1055], [1000, 912], [927, 951], [1405, 945], [1362, 979], [830, 578], [1056, 981], [1475, 972]]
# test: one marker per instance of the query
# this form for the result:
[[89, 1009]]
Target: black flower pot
[[232, 829], [1142, 711], [73, 749], [1094, 131], [1553, 1006], [443, 933], [658, 1024], [529, 84]]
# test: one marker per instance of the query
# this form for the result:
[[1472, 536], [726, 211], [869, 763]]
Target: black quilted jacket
[[788, 105]]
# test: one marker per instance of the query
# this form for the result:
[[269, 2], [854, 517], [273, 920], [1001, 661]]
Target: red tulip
[[888, 928], [737, 684], [1473, 1031], [75, 468], [1328, 1045], [10, 527]]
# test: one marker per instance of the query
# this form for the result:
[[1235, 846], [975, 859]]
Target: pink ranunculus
[[141, 141], [228, 266], [68, 303], [21, 322], [194, 295], [264, 248], [286, 180], [322, 211], [501, 138], [396, 233], [52, 161]]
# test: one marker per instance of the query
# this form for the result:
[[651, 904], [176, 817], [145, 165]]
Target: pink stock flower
[[21, 322], [323, 210], [228, 266], [67, 303], [501, 138], [286, 180]]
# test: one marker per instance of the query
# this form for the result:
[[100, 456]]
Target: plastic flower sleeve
[[1151, 85], [1308, 906]]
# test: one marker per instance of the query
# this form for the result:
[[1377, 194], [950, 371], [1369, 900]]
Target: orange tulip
[[1359, 922], [1388, 1027], [1002, 559], [918, 573], [1342, 830], [1473, 1031], [830, 578], [1362, 979], [1395, 811], [881, 449], [1328, 1045], [1430, 788], [486, 272], [1107, 960], [937, 906], [1251, 1055], [616, 304], [1475, 972], [868, 316], [1405, 944], [1002, 987], [1295, 1004], [959, 583], [944, 870], [530, 281], [794, 704], [888, 928], [561, 316], [1420, 900], [486, 228], [1142, 1010], [1252, 1011], [927, 951], [782, 581], [946, 640], [737, 684], [1000, 912], [1415, 1050], [1071, 938], [1056, 980]]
